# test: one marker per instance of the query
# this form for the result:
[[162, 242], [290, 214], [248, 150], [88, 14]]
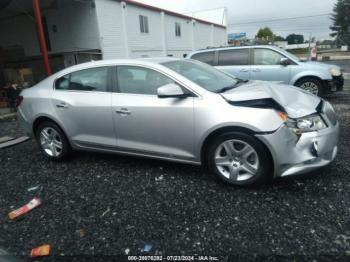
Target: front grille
[[329, 112]]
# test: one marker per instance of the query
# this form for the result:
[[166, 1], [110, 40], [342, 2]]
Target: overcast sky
[[249, 15]]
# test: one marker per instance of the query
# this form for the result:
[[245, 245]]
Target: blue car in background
[[271, 63]]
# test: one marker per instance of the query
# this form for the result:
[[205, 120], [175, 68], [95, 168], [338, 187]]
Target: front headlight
[[306, 124], [335, 71]]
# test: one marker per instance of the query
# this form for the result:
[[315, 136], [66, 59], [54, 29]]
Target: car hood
[[295, 101], [314, 64]]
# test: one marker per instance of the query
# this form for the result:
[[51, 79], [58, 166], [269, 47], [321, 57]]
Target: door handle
[[244, 70], [256, 70], [62, 105], [123, 111]]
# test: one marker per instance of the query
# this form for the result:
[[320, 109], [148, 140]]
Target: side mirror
[[171, 90], [284, 61]]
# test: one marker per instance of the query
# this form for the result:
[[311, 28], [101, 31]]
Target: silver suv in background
[[270, 63]]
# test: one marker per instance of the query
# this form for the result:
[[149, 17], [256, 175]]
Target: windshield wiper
[[226, 88]]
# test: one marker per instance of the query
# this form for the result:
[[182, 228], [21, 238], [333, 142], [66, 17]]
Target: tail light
[[19, 100]]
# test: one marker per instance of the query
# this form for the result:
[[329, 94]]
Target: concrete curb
[[14, 142], [7, 116]]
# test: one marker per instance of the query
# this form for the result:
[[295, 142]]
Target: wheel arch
[[42, 119], [299, 77], [219, 131]]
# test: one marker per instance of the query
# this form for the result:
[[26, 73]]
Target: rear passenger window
[[234, 57], [205, 57], [94, 79]]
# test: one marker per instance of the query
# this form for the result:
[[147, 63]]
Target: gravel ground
[[99, 204]]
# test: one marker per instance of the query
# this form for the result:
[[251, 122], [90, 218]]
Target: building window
[[178, 29], [143, 24]]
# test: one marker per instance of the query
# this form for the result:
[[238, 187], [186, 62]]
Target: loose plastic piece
[[34, 188], [25, 209], [147, 247], [40, 251]]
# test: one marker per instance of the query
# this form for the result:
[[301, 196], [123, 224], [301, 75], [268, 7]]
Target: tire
[[242, 163], [52, 141], [309, 83]]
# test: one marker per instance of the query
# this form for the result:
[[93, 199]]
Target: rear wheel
[[312, 85], [52, 141], [239, 159]]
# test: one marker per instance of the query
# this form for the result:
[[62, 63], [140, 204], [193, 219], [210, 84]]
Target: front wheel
[[239, 159], [312, 85]]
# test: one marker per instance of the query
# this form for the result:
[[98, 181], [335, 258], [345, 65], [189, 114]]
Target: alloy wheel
[[310, 87], [236, 160], [51, 142]]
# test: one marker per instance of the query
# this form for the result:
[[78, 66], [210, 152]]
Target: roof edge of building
[[158, 9]]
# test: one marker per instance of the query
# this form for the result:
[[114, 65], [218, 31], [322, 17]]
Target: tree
[[279, 38], [265, 34], [341, 22], [295, 39]]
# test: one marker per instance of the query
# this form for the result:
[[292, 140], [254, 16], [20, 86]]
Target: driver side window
[[140, 80], [266, 57]]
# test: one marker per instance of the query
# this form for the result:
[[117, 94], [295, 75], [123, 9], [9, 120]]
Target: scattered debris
[[25, 209], [106, 212], [40, 251], [160, 178], [147, 247], [80, 233], [34, 188], [5, 139], [14, 142]]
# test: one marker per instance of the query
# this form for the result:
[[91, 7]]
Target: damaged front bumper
[[336, 84], [297, 154]]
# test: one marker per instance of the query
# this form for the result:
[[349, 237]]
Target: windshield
[[202, 74]]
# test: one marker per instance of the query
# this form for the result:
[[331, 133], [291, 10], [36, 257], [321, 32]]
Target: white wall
[[76, 29], [144, 44], [177, 46], [120, 34], [110, 26]]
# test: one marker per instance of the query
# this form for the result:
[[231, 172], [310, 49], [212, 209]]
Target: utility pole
[[41, 36]]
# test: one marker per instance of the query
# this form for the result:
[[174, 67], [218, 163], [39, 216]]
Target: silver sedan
[[181, 110]]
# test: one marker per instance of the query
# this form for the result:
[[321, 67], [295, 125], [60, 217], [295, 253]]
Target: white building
[[81, 30]]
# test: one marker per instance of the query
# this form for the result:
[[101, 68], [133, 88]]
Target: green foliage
[[341, 22], [279, 38], [265, 34], [295, 39]]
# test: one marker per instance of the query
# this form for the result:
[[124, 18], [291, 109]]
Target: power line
[[279, 19]]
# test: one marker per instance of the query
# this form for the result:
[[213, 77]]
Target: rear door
[[147, 124], [266, 66], [235, 62], [82, 101]]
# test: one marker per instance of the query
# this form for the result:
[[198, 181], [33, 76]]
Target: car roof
[[137, 61], [212, 49]]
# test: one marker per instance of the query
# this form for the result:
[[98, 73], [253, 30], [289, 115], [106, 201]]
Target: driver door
[[147, 124], [266, 66]]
